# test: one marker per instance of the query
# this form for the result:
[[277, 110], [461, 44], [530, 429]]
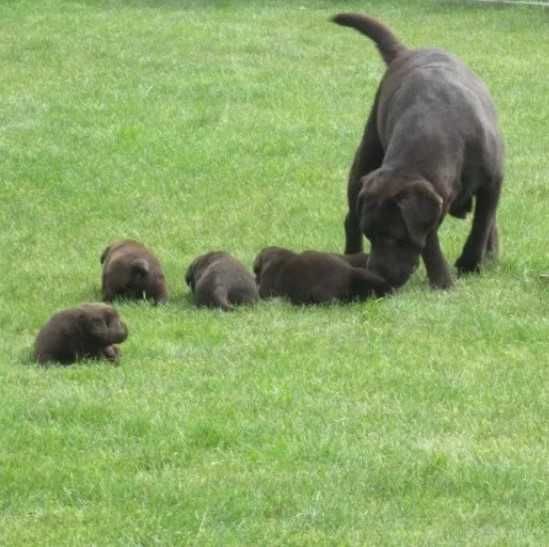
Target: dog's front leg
[[435, 263], [483, 235], [353, 235], [368, 157]]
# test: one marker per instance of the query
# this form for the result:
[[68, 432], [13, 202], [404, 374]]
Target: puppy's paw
[[466, 265], [112, 353]]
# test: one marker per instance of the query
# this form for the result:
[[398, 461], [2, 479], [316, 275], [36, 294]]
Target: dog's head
[[269, 258], [397, 215], [101, 325]]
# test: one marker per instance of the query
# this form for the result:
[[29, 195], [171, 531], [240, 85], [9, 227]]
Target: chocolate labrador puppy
[[218, 280], [431, 145], [313, 277], [357, 260], [131, 270], [87, 332]]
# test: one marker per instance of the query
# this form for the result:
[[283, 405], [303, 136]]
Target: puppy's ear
[[421, 209], [139, 268], [104, 254]]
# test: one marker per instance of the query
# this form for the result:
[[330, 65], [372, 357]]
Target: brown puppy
[[218, 280], [357, 260], [87, 332], [267, 260], [313, 277], [431, 145], [130, 270]]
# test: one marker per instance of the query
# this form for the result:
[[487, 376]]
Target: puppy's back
[[54, 340], [316, 277], [131, 269], [224, 282]]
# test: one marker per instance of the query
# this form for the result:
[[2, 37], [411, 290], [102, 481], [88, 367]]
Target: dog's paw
[[465, 265], [440, 277], [442, 283], [112, 353]]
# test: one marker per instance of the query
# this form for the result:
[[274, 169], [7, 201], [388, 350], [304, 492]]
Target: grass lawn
[[420, 419]]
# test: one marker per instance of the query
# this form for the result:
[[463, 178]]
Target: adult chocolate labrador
[[431, 145]]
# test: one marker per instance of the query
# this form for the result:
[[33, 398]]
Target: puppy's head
[[198, 266], [397, 216], [269, 257], [101, 324]]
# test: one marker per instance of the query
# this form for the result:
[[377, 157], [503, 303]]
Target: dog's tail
[[387, 43]]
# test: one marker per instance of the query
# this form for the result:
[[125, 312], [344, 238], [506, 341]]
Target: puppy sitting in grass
[[87, 332], [315, 278], [130, 270], [218, 280]]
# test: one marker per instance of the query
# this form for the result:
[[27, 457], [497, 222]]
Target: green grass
[[421, 419]]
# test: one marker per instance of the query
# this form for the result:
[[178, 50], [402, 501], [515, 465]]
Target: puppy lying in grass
[[218, 280], [357, 260], [315, 278], [130, 270], [87, 332]]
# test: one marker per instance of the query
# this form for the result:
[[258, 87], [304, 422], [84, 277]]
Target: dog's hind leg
[[368, 157], [483, 235]]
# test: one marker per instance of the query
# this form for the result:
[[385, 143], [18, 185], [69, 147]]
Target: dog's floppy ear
[[140, 268], [420, 207], [371, 186]]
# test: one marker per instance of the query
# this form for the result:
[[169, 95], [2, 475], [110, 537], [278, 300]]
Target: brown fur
[[130, 270], [430, 147], [357, 260], [87, 332], [313, 277], [219, 280]]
